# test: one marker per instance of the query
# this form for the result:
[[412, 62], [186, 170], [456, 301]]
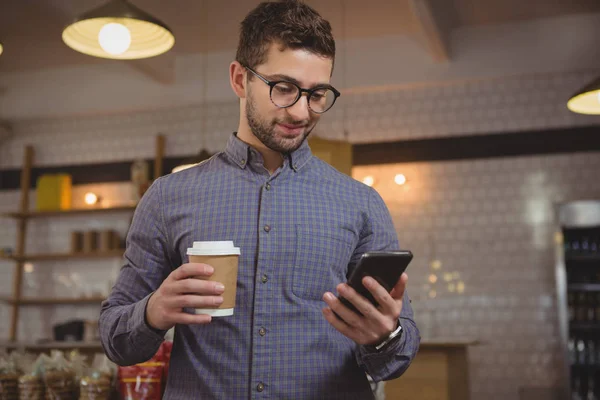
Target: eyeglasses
[[285, 94]]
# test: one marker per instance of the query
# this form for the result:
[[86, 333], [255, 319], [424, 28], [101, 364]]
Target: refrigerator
[[578, 286]]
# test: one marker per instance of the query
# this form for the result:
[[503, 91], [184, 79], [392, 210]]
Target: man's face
[[284, 129]]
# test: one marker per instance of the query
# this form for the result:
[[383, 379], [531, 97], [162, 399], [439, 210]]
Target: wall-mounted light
[[586, 100], [400, 179], [368, 180], [91, 199], [118, 30]]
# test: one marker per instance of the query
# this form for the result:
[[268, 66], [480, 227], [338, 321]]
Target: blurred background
[[455, 111]]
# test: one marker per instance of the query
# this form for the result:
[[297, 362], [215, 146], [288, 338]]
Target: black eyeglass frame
[[309, 92]]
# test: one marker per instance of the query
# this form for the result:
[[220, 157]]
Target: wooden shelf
[[584, 327], [65, 256], [51, 345], [42, 301], [583, 258], [81, 211], [584, 287]]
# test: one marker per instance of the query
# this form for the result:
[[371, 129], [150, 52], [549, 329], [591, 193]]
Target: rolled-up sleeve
[[391, 362], [126, 337]]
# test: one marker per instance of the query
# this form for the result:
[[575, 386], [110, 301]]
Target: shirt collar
[[242, 153]]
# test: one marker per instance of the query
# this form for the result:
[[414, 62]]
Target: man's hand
[[165, 306], [375, 324]]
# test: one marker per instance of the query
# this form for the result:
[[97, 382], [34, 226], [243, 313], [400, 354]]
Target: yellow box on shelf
[[54, 192]]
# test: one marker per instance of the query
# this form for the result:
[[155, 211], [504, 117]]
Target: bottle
[[585, 244], [580, 308], [572, 352], [591, 389], [571, 306], [581, 359], [591, 352], [595, 243], [597, 306], [576, 390], [575, 246], [591, 307]]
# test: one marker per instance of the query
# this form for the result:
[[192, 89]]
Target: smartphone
[[385, 267]]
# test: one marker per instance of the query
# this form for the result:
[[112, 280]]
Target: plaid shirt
[[300, 231]]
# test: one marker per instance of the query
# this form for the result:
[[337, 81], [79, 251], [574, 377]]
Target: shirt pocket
[[321, 261]]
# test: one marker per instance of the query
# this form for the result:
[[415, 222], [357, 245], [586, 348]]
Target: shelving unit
[[66, 213], [578, 283], [20, 256], [65, 256]]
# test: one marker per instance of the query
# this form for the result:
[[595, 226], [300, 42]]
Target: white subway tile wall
[[482, 232], [484, 228], [475, 107]]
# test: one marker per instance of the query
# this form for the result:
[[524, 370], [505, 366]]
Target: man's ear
[[237, 79]]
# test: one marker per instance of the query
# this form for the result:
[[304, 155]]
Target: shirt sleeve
[[126, 337], [391, 362]]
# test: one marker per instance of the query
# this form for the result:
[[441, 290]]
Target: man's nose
[[300, 110]]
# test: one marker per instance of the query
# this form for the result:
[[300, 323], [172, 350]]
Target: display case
[[578, 284]]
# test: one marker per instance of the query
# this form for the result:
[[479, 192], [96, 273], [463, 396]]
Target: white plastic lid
[[224, 248]]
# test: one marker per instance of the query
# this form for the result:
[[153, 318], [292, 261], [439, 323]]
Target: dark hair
[[291, 23]]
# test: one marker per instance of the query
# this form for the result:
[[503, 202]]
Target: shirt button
[[264, 279], [243, 162], [262, 331], [268, 186], [267, 228], [260, 387]]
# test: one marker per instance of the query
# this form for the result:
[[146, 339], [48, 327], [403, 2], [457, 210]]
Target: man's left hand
[[376, 323]]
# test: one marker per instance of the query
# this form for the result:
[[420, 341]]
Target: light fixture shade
[[1, 48], [587, 100], [149, 36]]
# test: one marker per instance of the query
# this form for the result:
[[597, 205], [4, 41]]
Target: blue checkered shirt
[[300, 230]]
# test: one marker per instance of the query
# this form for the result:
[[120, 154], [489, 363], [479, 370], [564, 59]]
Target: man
[[301, 227]]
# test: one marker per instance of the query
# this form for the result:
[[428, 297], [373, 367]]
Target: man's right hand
[[165, 306]]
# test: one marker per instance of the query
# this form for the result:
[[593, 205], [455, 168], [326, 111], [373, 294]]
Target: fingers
[[383, 298], [192, 270], [349, 316], [363, 305], [338, 324], [398, 290], [192, 301], [194, 286]]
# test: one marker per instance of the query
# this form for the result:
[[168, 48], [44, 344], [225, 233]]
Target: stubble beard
[[265, 131]]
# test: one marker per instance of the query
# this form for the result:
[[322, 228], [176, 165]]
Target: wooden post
[[158, 159], [21, 239]]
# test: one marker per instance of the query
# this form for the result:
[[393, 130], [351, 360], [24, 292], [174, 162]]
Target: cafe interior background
[[454, 111]]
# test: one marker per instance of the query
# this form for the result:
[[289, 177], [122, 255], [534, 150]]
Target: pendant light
[[587, 100], [118, 30], [1, 49]]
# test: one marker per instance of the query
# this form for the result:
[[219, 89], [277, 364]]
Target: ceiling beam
[[431, 30]]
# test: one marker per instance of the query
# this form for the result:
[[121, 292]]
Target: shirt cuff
[[139, 324], [379, 364]]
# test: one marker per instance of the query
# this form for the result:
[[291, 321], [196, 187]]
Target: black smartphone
[[385, 267]]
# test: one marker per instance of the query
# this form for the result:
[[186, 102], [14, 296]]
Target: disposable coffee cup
[[224, 258]]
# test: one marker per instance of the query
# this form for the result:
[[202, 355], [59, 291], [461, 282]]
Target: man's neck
[[272, 160]]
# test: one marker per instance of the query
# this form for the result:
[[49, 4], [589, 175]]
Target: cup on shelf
[[90, 241], [76, 242]]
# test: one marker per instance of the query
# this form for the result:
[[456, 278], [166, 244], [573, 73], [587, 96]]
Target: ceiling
[[31, 29]]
